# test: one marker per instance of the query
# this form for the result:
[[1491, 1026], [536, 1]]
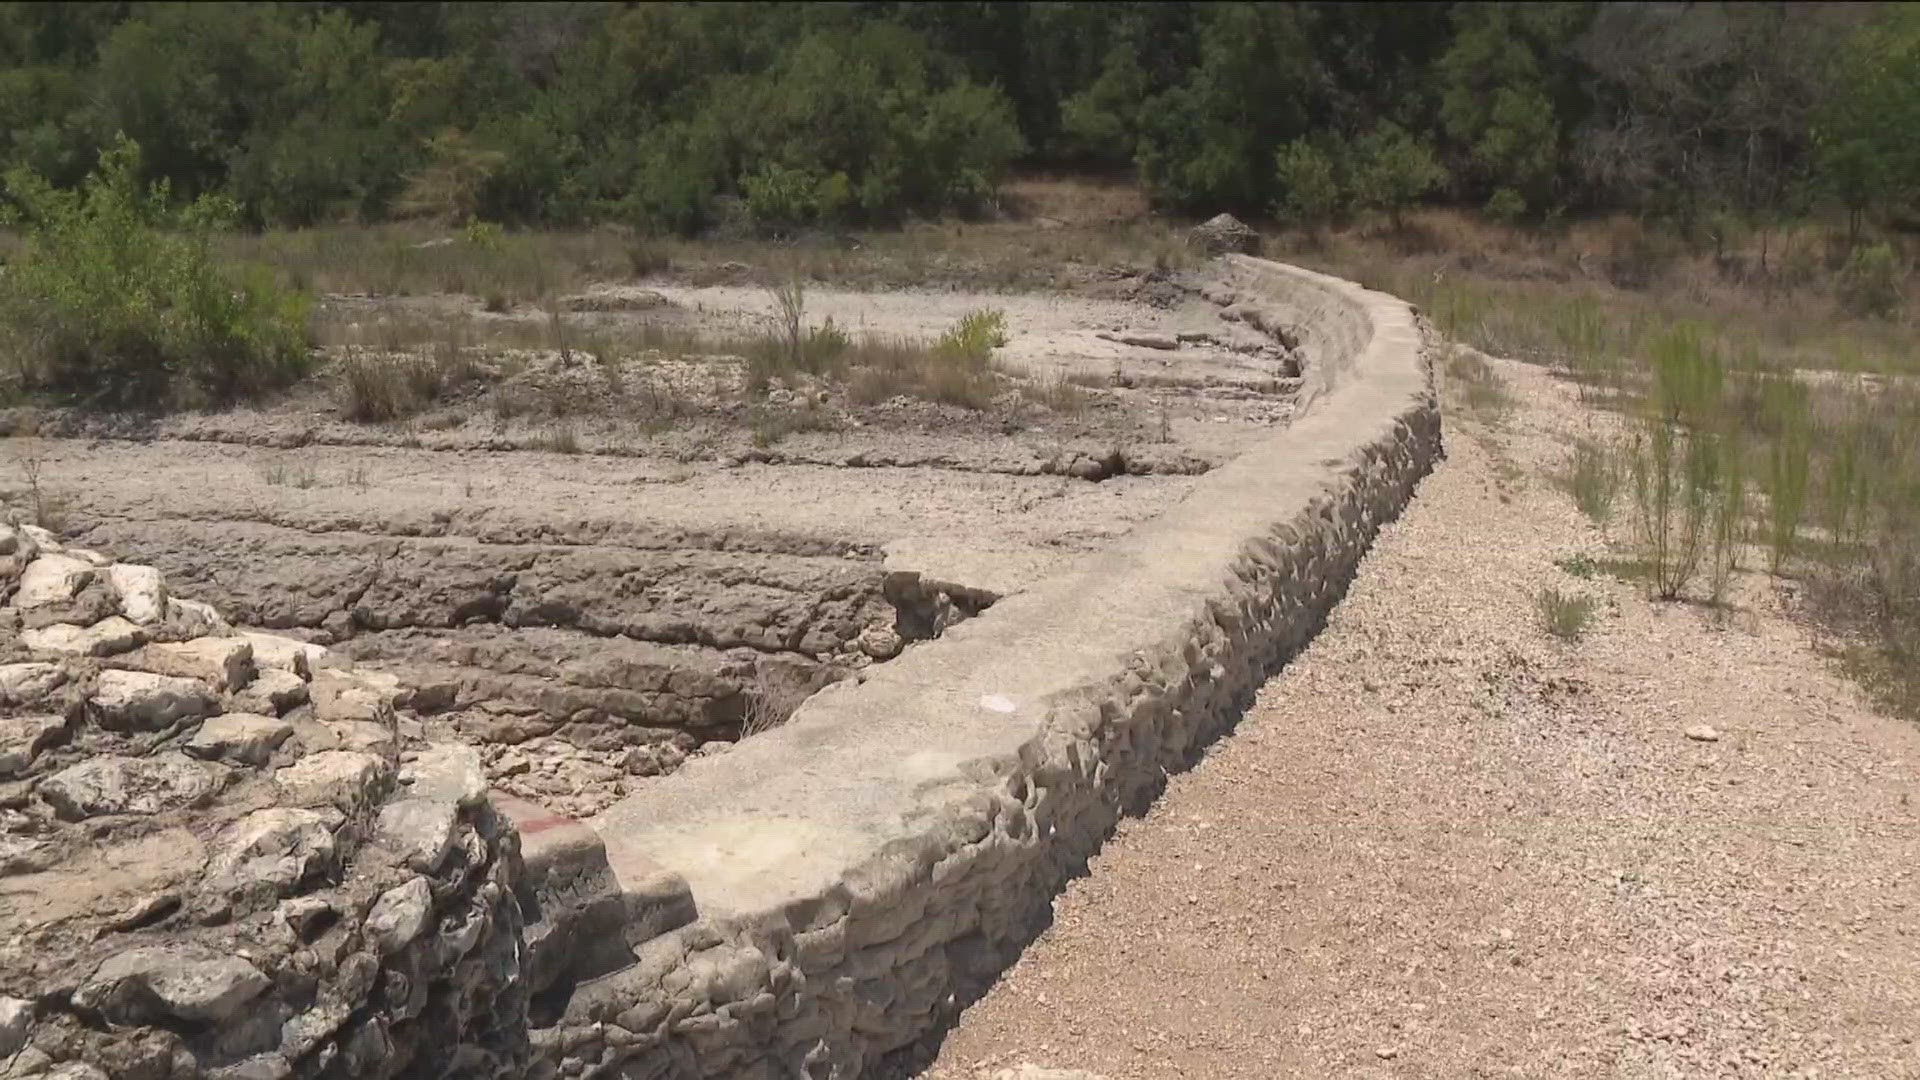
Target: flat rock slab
[[224, 663], [144, 701], [159, 982], [125, 785], [108, 637], [345, 779], [247, 738]]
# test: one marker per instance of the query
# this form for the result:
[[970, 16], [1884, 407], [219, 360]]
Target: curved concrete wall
[[863, 872]]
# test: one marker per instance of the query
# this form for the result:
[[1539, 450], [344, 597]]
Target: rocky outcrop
[[225, 855]]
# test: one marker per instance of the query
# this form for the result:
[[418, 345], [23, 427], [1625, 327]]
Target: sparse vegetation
[[1565, 616], [1477, 387], [1593, 479]]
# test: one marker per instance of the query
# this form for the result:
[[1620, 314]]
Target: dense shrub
[[117, 300]]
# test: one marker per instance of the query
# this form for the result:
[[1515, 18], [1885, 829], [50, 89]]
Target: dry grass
[[770, 702], [1807, 437], [1565, 616]]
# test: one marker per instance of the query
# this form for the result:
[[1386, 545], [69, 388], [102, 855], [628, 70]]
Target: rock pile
[[1222, 233], [224, 854]]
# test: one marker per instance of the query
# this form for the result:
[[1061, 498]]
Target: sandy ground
[[1445, 844]]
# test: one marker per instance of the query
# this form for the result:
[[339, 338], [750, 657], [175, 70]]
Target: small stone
[[275, 851], [188, 619], [1703, 733], [1030, 1071], [52, 579], [1147, 339], [419, 830], [72, 1070], [155, 982], [144, 701], [16, 1015], [400, 915], [108, 637], [273, 691], [881, 642], [243, 737], [126, 785], [22, 738], [225, 663], [342, 778], [1387, 1053], [142, 592], [271, 651], [306, 915]]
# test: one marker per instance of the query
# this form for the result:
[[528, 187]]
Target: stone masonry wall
[[865, 871], [223, 854]]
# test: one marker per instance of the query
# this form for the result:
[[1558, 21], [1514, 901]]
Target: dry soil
[[1443, 843]]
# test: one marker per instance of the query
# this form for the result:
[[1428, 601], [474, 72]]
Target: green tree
[[1391, 169], [1867, 133], [1309, 191]]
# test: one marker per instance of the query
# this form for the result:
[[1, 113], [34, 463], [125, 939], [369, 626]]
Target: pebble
[[1703, 733]]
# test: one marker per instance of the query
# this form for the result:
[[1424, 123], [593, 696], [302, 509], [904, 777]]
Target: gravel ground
[[1445, 844]]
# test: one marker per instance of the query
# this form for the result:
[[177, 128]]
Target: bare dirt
[[1444, 843], [600, 560]]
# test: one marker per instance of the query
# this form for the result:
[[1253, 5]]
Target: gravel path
[[1445, 844]]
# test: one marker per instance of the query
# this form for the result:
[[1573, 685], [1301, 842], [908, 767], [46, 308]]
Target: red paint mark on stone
[[543, 824]]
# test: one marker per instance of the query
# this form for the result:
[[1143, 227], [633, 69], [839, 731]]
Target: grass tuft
[[1565, 616]]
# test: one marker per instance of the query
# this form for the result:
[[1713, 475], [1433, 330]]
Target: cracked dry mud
[[593, 619], [1443, 844]]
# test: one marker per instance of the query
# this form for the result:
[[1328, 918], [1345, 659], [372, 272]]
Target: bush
[[1506, 207], [974, 337], [1870, 282], [117, 299]]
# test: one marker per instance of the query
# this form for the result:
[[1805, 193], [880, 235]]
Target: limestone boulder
[[30, 685], [52, 579], [272, 692], [22, 738], [141, 590], [144, 701], [245, 738], [108, 637], [157, 983], [420, 831], [224, 663], [400, 915], [128, 785], [273, 652], [344, 779], [273, 852]]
